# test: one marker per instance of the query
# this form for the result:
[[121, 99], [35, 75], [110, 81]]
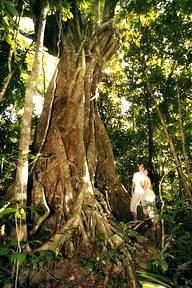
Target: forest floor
[[68, 272]]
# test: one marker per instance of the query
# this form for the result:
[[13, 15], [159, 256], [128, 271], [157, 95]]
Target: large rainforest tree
[[74, 179], [74, 192]]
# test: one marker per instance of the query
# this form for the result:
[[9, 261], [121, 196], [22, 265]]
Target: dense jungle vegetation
[[87, 90]]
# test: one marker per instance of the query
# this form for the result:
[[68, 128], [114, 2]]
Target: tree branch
[[97, 7], [182, 130], [113, 45], [76, 21], [109, 9]]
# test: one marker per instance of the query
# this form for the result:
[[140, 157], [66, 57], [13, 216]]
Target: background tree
[[152, 43]]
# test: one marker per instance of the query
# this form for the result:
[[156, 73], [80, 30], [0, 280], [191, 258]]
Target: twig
[[73, 282], [4, 207], [43, 269]]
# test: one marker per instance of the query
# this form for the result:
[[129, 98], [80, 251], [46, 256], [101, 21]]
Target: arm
[[145, 184], [132, 188], [133, 184]]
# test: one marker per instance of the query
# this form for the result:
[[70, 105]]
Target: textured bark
[[76, 169], [74, 180]]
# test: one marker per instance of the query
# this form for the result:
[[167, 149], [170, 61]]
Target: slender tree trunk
[[150, 131], [182, 132], [19, 188], [8, 78]]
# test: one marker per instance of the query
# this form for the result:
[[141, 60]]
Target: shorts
[[135, 200]]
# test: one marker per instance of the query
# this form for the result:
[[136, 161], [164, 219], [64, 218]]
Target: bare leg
[[136, 198], [134, 214]]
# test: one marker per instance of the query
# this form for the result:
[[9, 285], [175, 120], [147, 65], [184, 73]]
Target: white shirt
[[138, 180]]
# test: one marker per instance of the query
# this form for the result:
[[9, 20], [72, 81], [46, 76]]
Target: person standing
[[149, 207], [137, 190]]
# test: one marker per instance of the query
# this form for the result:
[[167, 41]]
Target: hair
[[141, 163], [150, 174]]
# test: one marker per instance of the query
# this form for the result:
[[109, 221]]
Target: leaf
[[11, 42], [36, 242], [8, 285], [19, 256], [4, 251], [155, 279], [133, 233], [151, 285], [11, 9], [164, 266], [7, 211]]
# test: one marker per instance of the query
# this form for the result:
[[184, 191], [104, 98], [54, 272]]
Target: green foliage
[[117, 282], [7, 23], [9, 256], [127, 232], [160, 264], [148, 278], [174, 259], [156, 37], [182, 247], [20, 257], [7, 211], [101, 262], [10, 111], [13, 253], [9, 131], [39, 259]]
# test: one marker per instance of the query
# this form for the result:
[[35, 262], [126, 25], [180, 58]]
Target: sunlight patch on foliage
[[151, 285]]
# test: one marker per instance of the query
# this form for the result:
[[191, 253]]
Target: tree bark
[[19, 188], [74, 180], [76, 172]]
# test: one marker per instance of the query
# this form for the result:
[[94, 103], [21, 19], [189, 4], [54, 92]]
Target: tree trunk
[[74, 180], [18, 189], [76, 172], [149, 132]]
